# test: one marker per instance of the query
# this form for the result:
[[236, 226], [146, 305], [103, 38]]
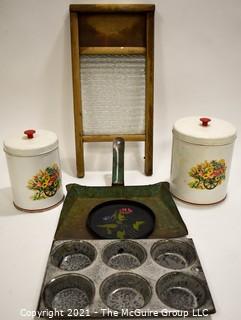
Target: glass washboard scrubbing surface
[[113, 94]]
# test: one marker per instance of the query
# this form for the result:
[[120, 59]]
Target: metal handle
[[118, 162]]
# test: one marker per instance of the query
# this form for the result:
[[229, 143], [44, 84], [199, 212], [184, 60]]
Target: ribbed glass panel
[[113, 94]]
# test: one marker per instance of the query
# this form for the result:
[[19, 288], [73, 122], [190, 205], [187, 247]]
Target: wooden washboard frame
[[89, 41]]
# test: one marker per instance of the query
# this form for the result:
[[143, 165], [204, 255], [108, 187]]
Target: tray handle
[[118, 162]]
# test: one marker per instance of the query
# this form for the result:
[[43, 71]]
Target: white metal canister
[[34, 170], [201, 158]]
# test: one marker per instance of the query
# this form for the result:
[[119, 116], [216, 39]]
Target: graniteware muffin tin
[[85, 277]]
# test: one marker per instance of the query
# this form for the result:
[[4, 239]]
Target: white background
[[197, 72]]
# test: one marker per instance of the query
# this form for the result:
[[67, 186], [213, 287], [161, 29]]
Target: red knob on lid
[[205, 121], [29, 133]]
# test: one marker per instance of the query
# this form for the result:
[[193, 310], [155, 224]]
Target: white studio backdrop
[[197, 72]]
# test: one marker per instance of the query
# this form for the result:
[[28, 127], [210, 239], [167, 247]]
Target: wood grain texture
[[109, 138], [76, 94], [149, 94], [113, 50], [111, 7], [112, 30]]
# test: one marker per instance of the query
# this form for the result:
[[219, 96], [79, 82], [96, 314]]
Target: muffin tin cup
[[73, 255], [173, 254], [124, 255], [125, 291], [145, 284], [181, 291], [67, 292]]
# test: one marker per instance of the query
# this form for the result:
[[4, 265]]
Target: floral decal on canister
[[208, 174], [45, 183]]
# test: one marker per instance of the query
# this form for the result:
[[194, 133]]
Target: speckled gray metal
[[173, 254], [124, 255], [181, 291], [150, 286], [71, 291], [125, 291], [70, 298], [74, 255]]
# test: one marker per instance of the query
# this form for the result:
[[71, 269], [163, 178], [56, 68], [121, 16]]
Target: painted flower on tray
[[45, 183], [119, 223], [208, 174]]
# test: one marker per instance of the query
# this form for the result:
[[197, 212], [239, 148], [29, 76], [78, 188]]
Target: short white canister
[[201, 159], [34, 170]]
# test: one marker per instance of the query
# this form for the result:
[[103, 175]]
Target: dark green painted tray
[[81, 200]]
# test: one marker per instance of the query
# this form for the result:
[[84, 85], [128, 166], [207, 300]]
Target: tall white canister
[[34, 170], [201, 159]]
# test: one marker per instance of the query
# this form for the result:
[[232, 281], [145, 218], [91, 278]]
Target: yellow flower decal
[[208, 174], [45, 183]]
